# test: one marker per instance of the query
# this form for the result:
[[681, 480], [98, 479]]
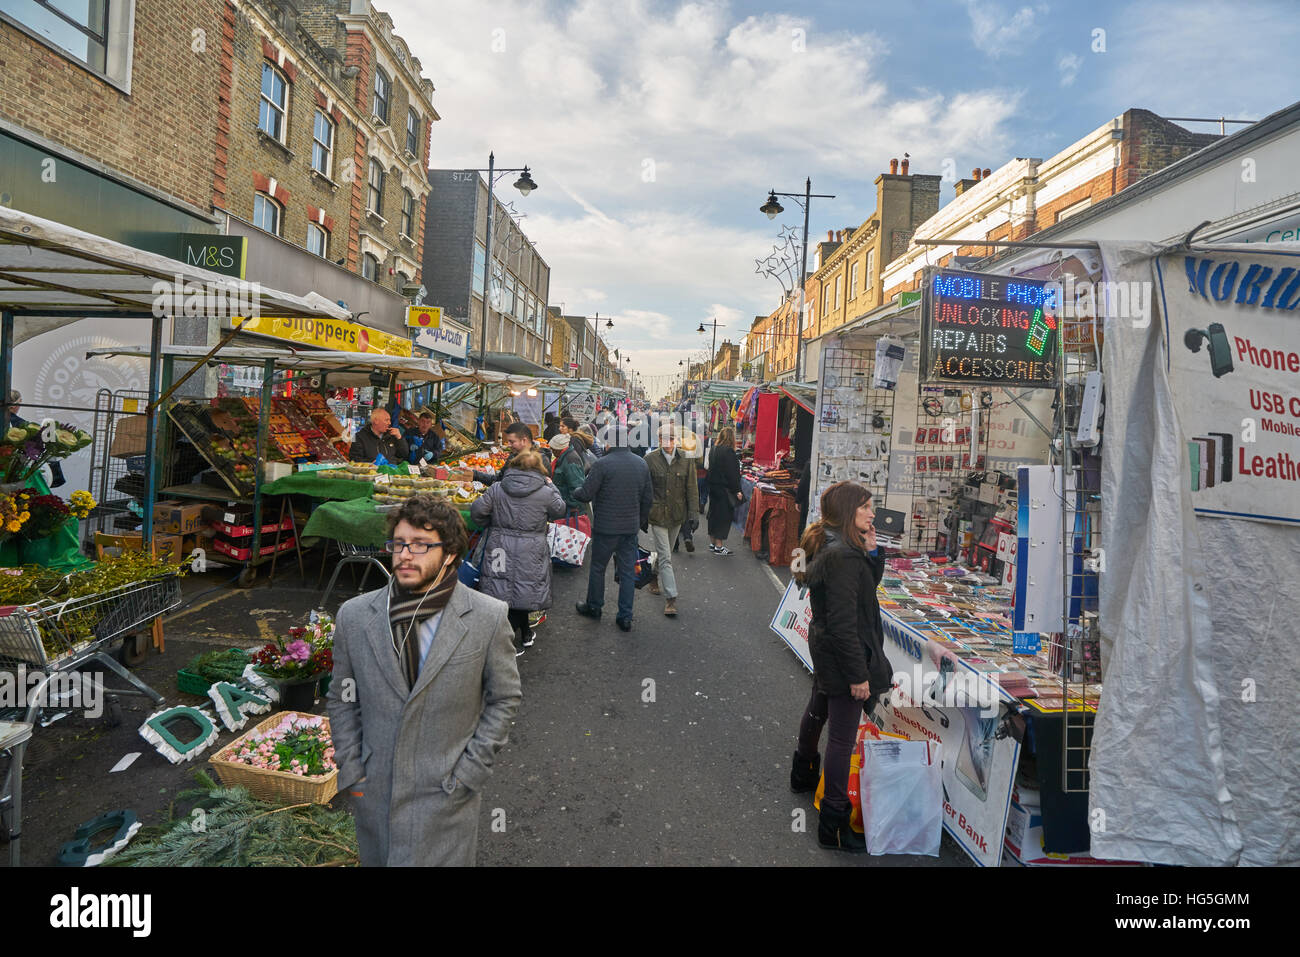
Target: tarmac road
[[669, 745]]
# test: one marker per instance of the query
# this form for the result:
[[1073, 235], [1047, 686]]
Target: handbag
[[471, 566], [568, 540]]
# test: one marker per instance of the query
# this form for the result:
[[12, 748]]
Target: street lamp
[[715, 324], [773, 208], [525, 185]]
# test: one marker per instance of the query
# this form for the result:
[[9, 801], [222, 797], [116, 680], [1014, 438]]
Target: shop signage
[[449, 338], [334, 334], [226, 255], [1233, 359], [992, 330], [424, 317]]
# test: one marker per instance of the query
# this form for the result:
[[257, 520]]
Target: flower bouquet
[[297, 661], [25, 448], [49, 513], [289, 757]]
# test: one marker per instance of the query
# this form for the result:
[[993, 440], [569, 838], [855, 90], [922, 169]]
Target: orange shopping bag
[[855, 767]]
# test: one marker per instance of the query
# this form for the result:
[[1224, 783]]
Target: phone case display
[[942, 461], [968, 614], [854, 424]]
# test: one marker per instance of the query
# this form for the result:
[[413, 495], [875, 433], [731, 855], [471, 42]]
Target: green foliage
[[235, 829], [214, 666]]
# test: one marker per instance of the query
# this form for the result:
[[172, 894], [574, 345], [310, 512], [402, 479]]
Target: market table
[[355, 522], [308, 483], [14, 736]]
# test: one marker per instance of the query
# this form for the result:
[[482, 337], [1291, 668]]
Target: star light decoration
[[782, 263]]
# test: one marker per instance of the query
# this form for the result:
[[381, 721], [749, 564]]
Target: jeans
[[845, 713], [704, 492], [623, 549], [663, 539]]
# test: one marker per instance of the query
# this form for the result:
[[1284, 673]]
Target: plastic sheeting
[[1193, 755]]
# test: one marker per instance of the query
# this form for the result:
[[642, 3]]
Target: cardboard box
[[170, 547], [129, 436], [177, 518], [276, 470]]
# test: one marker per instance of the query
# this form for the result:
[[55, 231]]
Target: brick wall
[[1151, 144], [162, 133]]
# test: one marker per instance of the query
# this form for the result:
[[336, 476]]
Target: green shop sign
[[222, 254]]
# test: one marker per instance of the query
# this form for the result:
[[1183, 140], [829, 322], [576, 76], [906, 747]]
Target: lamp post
[[714, 351], [772, 208], [525, 185]]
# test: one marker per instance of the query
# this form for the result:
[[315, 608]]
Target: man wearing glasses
[[425, 687]]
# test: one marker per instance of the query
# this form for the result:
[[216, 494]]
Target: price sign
[[992, 330]]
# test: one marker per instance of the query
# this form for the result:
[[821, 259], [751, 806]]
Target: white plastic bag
[[901, 783]]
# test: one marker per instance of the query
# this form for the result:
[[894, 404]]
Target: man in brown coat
[[676, 502]]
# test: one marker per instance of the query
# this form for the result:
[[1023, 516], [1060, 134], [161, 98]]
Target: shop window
[[376, 195], [273, 103], [318, 240], [266, 214], [370, 268], [383, 92], [408, 212], [322, 146], [413, 133]]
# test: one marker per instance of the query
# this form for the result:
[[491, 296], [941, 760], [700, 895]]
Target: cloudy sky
[[654, 128]]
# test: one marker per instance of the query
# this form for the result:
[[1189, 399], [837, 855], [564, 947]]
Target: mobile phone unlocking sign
[[994, 330]]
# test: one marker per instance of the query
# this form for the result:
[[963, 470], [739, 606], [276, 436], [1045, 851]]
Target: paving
[[669, 745]]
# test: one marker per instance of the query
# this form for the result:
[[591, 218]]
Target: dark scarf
[[407, 613]]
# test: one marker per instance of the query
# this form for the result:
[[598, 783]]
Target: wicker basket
[[280, 787]]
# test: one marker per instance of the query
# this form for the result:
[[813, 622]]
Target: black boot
[[804, 774], [835, 832]]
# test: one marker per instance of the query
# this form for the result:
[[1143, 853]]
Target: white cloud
[[996, 30], [1068, 65]]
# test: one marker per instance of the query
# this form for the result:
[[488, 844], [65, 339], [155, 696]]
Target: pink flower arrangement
[[296, 745]]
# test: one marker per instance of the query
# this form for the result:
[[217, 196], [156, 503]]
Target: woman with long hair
[[514, 513], [841, 569], [724, 489]]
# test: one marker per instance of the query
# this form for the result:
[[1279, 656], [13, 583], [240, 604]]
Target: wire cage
[[57, 635]]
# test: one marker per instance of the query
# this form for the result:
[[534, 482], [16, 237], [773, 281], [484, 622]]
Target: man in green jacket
[[676, 501]]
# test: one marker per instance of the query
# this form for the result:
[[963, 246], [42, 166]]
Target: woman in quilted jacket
[[846, 640], [517, 562]]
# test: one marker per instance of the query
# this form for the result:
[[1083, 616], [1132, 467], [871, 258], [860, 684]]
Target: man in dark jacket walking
[[618, 486]]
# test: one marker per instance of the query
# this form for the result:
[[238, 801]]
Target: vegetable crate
[[280, 787]]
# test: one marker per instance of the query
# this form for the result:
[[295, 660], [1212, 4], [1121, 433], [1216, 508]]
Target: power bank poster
[[979, 769], [1232, 335]]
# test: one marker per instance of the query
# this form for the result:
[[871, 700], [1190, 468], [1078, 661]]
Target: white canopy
[[51, 274], [340, 365]]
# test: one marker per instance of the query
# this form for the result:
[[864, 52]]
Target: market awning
[[804, 394], [51, 273], [515, 365], [343, 367]]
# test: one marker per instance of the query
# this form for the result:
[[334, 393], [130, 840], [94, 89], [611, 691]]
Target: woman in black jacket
[[846, 640], [724, 489]]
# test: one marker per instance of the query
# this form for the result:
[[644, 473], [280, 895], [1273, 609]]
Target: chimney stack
[[987, 172], [830, 235], [893, 167], [975, 174], [905, 164]]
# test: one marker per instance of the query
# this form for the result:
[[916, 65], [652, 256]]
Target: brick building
[[564, 347], [519, 336], [323, 134], [1027, 195], [107, 119]]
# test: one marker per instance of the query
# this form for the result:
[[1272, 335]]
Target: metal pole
[[487, 278], [6, 363], [803, 271], [150, 435], [263, 421]]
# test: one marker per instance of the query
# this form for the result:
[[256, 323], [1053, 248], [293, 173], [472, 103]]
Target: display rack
[[853, 424], [951, 441]]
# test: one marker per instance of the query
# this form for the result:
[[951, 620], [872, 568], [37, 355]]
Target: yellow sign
[[424, 317], [333, 334]]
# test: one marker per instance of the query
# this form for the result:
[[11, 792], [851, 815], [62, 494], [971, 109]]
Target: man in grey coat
[[425, 687]]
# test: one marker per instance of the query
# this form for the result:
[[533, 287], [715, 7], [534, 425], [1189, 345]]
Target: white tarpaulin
[[1193, 756]]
